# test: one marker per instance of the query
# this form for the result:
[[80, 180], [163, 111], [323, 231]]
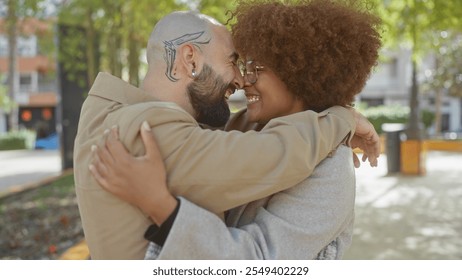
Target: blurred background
[[51, 51]]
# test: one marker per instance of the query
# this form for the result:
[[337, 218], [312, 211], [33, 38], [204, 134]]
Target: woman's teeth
[[252, 99]]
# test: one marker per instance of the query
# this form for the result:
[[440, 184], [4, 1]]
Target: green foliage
[[386, 114], [65, 180], [46, 43], [6, 104], [392, 114], [121, 29], [447, 74], [217, 9], [72, 55], [428, 117], [24, 8], [59, 188], [17, 140], [411, 24]]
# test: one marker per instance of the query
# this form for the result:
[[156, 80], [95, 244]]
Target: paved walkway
[[21, 168], [410, 217]]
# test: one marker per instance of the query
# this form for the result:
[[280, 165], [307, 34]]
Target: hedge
[[17, 140], [393, 114]]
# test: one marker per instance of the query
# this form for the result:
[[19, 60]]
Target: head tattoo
[[171, 46]]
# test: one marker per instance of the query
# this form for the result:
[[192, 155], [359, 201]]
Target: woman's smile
[[252, 98]]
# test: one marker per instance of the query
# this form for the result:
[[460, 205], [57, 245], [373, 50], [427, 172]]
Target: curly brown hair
[[323, 50]]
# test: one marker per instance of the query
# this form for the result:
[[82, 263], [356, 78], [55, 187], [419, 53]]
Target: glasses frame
[[245, 66]]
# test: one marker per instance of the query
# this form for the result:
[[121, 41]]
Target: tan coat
[[312, 220], [215, 169]]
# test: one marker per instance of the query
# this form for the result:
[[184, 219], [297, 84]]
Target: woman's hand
[[367, 139], [141, 181]]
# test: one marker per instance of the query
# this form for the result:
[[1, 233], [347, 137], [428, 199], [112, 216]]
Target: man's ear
[[189, 60]]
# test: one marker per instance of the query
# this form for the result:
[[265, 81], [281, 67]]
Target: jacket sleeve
[[220, 170], [294, 224]]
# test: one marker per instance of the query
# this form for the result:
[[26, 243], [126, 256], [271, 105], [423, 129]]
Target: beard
[[207, 96]]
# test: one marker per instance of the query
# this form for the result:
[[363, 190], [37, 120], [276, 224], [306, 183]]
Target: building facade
[[391, 82], [35, 90]]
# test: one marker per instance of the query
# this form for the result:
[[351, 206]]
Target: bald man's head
[[176, 29], [192, 62]]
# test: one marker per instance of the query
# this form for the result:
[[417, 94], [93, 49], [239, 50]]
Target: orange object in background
[[413, 157], [26, 115], [47, 114]]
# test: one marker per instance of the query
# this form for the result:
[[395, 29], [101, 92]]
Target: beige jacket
[[312, 220], [215, 169]]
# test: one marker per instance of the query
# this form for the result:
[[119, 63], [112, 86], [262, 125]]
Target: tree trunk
[[414, 129], [133, 52], [438, 105], [114, 41], [438, 111], [133, 59], [113, 46], [91, 45], [12, 21]]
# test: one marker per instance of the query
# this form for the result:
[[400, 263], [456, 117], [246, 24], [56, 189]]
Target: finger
[[377, 150], [374, 161], [100, 166], [114, 134], [356, 161], [364, 158], [114, 147], [372, 158], [104, 138], [103, 154], [100, 179], [152, 150], [96, 154]]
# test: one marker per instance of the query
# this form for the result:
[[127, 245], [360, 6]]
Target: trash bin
[[393, 133]]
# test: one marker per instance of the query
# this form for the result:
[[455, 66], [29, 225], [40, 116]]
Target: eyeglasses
[[249, 70]]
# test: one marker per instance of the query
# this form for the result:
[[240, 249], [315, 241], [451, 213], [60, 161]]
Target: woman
[[309, 55]]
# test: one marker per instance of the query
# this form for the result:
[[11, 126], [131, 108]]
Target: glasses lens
[[251, 72]]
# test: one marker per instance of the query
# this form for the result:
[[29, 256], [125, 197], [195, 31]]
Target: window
[[25, 82], [27, 46], [25, 79]]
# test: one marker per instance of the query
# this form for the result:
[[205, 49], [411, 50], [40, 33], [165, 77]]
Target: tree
[[75, 59], [5, 102], [17, 10], [411, 23], [447, 75], [122, 28], [217, 9], [11, 23]]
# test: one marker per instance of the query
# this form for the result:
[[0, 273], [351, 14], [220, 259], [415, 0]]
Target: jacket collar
[[112, 88]]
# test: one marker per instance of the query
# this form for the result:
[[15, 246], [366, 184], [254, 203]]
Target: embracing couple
[[164, 172]]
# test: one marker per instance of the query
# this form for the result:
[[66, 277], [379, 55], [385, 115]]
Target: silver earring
[[193, 73]]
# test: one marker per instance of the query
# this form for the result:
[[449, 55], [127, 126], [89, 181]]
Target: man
[[191, 72]]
